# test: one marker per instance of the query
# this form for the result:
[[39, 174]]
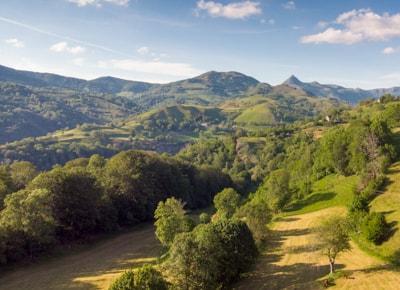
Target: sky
[[352, 43]]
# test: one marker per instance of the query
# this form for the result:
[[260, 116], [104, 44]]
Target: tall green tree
[[276, 190], [226, 202], [171, 219]]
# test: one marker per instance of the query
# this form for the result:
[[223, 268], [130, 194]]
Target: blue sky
[[348, 42]]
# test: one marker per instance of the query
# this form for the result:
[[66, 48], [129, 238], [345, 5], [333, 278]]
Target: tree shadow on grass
[[311, 199], [269, 274]]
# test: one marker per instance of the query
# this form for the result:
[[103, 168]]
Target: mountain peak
[[293, 80]]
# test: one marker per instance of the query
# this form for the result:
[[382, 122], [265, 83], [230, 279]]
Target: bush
[[124, 282], [204, 218], [144, 278], [148, 278], [375, 228], [359, 203]]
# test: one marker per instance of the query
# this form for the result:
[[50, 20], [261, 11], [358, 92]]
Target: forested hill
[[35, 104]]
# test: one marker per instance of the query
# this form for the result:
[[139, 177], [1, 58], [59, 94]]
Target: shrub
[[124, 282], [359, 203], [204, 218], [375, 228], [148, 278], [143, 278]]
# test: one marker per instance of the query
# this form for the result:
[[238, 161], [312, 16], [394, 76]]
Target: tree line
[[92, 195]]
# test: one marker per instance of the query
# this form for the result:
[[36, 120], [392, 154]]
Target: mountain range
[[210, 87], [34, 104]]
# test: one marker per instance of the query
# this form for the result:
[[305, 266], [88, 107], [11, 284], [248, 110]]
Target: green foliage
[[22, 172], [148, 278], [333, 237], [170, 220], [204, 218], [136, 181], [359, 204], [125, 282], [375, 228], [256, 215], [76, 199], [89, 196], [276, 191], [211, 256], [27, 223], [226, 202]]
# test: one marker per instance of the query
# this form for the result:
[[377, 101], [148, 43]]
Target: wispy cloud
[[65, 47], [290, 5], [99, 3], [154, 67], [236, 10], [390, 50], [62, 37], [358, 25], [15, 42]]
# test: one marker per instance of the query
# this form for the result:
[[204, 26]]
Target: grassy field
[[388, 202], [333, 190], [94, 268], [293, 260]]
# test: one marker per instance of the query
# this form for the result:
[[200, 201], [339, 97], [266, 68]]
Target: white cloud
[[63, 46], [15, 42], [143, 50], [99, 3], [391, 50], [237, 10], [357, 26], [332, 35], [153, 67], [290, 5]]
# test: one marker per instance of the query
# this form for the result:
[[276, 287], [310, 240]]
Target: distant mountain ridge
[[338, 92], [209, 87]]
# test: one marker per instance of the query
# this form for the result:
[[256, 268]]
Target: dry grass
[[293, 260], [95, 268]]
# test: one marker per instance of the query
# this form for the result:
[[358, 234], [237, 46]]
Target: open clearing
[[95, 268], [293, 260]]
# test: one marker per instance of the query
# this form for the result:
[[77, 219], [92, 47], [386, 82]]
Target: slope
[[92, 268], [292, 259]]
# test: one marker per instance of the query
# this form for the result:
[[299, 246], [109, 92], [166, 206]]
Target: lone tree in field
[[334, 239]]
